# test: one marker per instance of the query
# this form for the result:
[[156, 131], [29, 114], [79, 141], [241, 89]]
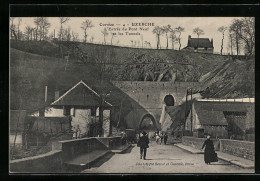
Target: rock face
[[232, 79]]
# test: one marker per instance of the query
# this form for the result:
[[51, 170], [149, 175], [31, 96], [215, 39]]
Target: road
[[161, 159]]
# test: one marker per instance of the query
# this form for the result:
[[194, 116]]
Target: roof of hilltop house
[[80, 95], [200, 43]]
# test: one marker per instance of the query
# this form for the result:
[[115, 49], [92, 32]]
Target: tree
[[234, 31], [222, 30], [92, 39], [85, 25], [12, 28], [105, 33], [44, 27], [37, 22], [67, 34], [179, 30], [75, 36], [173, 38], [142, 38], [18, 26], [112, 36], [244, 30], [62, 20], [28, 31], [199, 32], [165, 30], [158, 32]]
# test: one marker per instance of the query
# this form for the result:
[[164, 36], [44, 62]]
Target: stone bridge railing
[[52, 162]]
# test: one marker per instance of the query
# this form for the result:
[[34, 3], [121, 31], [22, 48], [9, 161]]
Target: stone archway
[[169, 100], [148, 123]]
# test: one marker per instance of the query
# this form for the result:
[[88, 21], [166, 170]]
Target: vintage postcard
[[132, 95]]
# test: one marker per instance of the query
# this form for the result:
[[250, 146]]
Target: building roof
[[213, 118], [224, 106], [80, 95], [200, 43], [17, 118]]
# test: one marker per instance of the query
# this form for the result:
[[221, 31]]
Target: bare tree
[[92, 39], [12, 28], [85, 25], [28, 31], [165, 30], [244, 30], [67, 34], [105, 33], [18, 26], [75, 36], [112, 36], [222, 30], [234, 30], [142, 38], [198, 32], [179, 30], [44, 26], [173, 38], [158, 32], [62, 21], [37, 22]]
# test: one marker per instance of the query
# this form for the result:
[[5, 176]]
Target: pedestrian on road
[[209, 153], [161, 137], [157, 138], [165, 137], [143, 144]]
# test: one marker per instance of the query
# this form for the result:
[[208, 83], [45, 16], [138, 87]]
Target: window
[[93, 111], [66, 111]]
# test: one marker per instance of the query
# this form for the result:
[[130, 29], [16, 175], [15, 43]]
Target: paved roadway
[[161, 159]]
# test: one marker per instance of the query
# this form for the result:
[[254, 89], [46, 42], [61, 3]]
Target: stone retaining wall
[[244, 149], [198, 142], [50, 162]]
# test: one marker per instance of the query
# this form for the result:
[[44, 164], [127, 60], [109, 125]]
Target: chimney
[[189, 37], [46, 93], [57, 95], [212, 41]]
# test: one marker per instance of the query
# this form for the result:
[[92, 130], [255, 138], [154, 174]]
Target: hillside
[[130, 63], [34, 65], [233, 79]]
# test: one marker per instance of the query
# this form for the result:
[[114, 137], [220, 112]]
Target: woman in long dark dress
[[209, 153]]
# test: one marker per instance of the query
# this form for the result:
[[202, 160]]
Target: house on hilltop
[[203, 45]]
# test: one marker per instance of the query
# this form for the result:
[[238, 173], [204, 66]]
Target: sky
[[115, 25]]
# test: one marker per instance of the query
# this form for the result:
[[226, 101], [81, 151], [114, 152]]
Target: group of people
[[159, 138], [209, 154]]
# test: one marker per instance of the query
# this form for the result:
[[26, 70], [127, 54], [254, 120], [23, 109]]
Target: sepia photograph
[[131, 95]]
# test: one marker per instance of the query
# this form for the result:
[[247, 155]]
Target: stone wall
[[50, 162], [73, 148], [150, 96], [198, 142], [244, 149]]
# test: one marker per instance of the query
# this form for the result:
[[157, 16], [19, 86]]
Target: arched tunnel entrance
[[148, 123]]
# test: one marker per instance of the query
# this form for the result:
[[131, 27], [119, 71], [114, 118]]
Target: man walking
[[165, 137], [143, 144]]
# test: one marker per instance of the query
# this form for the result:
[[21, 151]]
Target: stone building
[[82, 104], [203, 45], [226, 118]]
